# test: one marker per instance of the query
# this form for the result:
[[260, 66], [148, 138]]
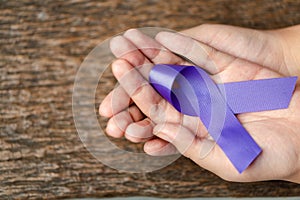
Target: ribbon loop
[[192, 92]]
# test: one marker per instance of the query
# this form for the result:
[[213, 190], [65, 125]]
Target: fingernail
[[133, 32]]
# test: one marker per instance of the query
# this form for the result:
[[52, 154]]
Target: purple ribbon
[[192, 92]]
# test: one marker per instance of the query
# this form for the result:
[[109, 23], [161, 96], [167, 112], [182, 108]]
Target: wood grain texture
[[42, 45]]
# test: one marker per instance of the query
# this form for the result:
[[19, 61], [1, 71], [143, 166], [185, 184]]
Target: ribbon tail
[[236, 143], [258, 95]]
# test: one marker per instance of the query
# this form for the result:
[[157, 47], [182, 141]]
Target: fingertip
[[119, 67], [132, 32], [162, 35], [113, 130], [104, 110], [114, 44], [151, 147], [159, 147], [139, 131]]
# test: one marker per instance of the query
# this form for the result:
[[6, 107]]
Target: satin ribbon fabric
[[192, 92]]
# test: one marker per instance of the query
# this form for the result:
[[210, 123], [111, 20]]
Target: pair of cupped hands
[[228, 54]]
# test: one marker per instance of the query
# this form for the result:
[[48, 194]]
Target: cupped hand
[[229, 54]]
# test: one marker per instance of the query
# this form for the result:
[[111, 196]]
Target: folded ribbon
[[192, 92]]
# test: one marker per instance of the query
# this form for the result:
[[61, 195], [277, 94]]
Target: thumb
[[178, 135], [203, 152], [249, 44]]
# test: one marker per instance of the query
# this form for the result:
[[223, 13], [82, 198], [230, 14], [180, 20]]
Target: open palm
[[229, 54]]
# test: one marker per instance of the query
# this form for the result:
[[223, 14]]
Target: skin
[[229, 54]]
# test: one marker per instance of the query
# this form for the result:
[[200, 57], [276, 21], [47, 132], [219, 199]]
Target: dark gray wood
[[43, 44]]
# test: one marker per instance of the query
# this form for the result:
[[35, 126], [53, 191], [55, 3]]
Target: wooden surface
[[43, 44]]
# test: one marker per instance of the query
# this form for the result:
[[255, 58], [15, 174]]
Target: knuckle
[[140, 90], [157, 111]]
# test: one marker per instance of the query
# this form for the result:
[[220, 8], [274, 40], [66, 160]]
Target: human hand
[[228, 54]]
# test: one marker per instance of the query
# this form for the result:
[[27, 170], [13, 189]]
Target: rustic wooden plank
[[42, 45]]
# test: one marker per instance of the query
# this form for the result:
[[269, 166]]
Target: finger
[[191, 146], [159, 147], [139, 131], [117, 125], [200, 54], [116, 101], [259, 47], [123, 48], [142, 93], [153, 50], [224, 67]]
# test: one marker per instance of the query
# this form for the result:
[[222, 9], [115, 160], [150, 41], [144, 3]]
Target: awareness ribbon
[[192, 92]]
